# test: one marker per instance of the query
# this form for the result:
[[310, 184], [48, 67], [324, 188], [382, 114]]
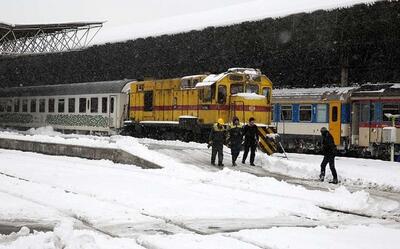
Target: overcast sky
[[116, 12], [129, 19]]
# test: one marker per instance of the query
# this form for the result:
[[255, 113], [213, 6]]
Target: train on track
[[355, 116], [185, 108], [181, 108]]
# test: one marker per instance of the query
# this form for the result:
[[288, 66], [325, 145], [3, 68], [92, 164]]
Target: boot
[[321, 177], [234, 164], [334, 181]]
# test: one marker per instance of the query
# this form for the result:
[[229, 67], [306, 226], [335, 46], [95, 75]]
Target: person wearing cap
[[250, 133], [216, 141], [235, 139], [329, 151]]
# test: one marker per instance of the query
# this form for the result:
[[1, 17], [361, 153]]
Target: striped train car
[[371, 104], [299, 114]]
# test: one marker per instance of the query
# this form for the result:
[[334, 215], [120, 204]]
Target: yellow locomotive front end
[[186, 108], [239, 92]]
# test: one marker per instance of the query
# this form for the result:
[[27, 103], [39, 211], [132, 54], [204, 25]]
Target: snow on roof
[[286, 92], [250, 71], [395, 85], [210, 79], [249, 95], [193, 76]]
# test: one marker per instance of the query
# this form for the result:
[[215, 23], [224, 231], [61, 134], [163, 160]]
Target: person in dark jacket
[[250, 133], [329, 151], [235, 139], [216, 141]]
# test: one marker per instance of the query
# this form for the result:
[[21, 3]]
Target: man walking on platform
[[329, 151], [250, 132]]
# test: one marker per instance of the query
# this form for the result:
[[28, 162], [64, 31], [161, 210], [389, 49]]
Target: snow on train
[[355, 116], [182, 108]]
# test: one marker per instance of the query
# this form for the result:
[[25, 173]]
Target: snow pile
[[379, 174], [64, 237], [351, 237], [48, 130]]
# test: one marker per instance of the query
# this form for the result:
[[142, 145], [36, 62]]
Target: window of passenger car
[[392, 108], [42, 105], [33, 105], [9, 105], [82, 105], [71, 105], [2, 106], [286, 112], [51, 105], [94, 105], [305, 113], [104, 101], [24, 105], [322, 113], [365, 112], [61, 105], [16, 105]]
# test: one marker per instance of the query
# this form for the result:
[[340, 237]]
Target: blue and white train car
[[299, 114]]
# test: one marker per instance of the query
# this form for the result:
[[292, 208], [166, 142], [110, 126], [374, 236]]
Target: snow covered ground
[[80, 203]]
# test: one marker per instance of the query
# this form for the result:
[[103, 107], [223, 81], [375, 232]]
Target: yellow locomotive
[[186, 108]]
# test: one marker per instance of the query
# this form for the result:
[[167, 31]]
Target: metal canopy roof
[[116, 86], [39, 38]]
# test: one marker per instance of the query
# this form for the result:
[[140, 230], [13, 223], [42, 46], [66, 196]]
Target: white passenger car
[[93, 107]]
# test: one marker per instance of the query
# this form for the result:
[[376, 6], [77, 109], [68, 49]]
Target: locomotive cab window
[[221, 94], [266, 92], [252, 88], [207, 93], [237, 88], [305, 113]]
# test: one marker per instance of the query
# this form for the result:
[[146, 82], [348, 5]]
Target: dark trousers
[[331, 161], [252, 148], [217, 149], [235, 150]]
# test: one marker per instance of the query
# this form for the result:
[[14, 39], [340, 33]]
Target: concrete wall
[[115, 155]]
